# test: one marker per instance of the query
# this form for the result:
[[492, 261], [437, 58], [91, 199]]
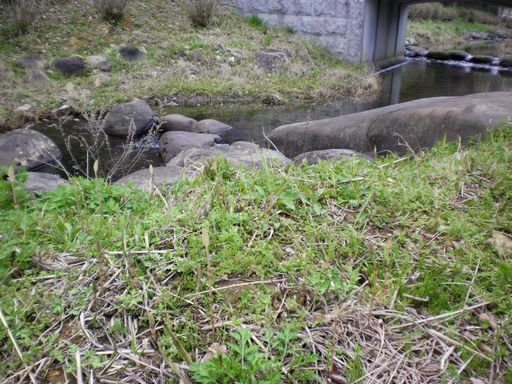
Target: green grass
[[447, 34], [290, 266]]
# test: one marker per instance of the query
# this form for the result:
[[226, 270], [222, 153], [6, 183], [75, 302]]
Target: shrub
[[20, 15], [432, 11], [111, 10], [201, 12]]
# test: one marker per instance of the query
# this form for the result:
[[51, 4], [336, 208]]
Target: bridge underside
[[385, 27]]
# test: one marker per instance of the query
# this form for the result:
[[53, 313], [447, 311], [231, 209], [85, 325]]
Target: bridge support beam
[[385, 26]]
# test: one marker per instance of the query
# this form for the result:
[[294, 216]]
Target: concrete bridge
[[357, 30]]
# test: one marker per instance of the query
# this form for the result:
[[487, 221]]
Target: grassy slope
[[356, 251], [436, 34], [171, 66]]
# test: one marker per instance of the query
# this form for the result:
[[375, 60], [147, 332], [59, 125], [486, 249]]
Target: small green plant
[[201, 12], [256, 22], [243, 363], [289, 29]]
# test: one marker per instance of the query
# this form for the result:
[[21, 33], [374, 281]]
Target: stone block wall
[[335, 24]]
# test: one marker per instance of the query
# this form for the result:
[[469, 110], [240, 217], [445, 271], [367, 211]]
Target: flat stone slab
[[99, 62], [398, 128], [27, 148], [162, 177], [239, 153]]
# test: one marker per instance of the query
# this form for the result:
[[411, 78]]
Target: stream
[[414, 80]]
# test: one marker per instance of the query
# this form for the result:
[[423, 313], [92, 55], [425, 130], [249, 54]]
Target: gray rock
[[100, 79], [458, 55], [506, 61], [42, 182], [27, 148], [211, 126], [120, 119], [162, 177], [438, 55], [482, 59], [130, 53], [240, 154], [420, 124], [99, 62], [69, 66], [314, 157], [417, 51], [176, 122], [36, 75], [31, 61], [478, 35], [270, 59], [173, 142]]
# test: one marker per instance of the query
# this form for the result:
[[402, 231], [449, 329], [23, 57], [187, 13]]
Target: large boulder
[[506, 61], [176, 122], [69, 66], [129, 119], [314, 157], [400, 127], [28, 149], [239, 153], [211, 126], [42, 182], [173, 142], [162, 177]]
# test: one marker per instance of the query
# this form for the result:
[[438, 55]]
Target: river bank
[[267, 271], [156, 53]]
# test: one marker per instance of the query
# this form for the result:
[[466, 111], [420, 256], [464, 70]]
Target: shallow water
[[414, 80]]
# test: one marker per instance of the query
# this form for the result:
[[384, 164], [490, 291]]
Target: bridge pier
[[385, 27]]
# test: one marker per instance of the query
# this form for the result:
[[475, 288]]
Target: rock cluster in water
[[412, 50]]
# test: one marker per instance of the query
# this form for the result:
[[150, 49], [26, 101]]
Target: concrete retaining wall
[[335, 24]]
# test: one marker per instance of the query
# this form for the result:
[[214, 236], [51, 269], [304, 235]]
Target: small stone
[[270, 59], [506, 61], [31, 61], [99, 62], [23, 108], [70, 66], [482, 59], [458, 55], [36, 75], [100, 79], [438, 55], [131, 53]]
